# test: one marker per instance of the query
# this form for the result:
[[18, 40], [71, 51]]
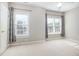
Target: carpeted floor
[[49, 48]]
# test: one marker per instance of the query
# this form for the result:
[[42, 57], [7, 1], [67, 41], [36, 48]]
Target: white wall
[[3, 26], [72, 24], [37, 22]]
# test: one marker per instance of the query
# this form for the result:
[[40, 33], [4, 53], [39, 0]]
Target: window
[[21, 23], [54, 24]]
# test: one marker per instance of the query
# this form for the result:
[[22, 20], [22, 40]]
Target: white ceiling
[[53, 5]]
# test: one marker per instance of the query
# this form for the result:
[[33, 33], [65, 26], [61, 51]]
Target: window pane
[[54, 24], [50, 24], [57, 24], [22, 24]]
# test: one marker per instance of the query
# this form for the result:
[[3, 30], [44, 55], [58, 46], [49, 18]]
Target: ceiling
[[53, 5]]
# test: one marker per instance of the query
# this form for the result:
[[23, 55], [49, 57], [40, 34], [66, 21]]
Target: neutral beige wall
[[54, 13], [3, 26], [37, 23], [72, 24]]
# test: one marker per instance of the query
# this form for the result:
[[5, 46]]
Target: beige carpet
[[48, 48]]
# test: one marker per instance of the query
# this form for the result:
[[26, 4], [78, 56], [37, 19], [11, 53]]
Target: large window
[[21, 23], [54, 24]]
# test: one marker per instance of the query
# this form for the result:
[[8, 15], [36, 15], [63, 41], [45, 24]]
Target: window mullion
[[53, 24]]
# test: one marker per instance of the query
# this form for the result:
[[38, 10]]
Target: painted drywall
[[38, 24], [54, 13], [3, 26], [72, 24]]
